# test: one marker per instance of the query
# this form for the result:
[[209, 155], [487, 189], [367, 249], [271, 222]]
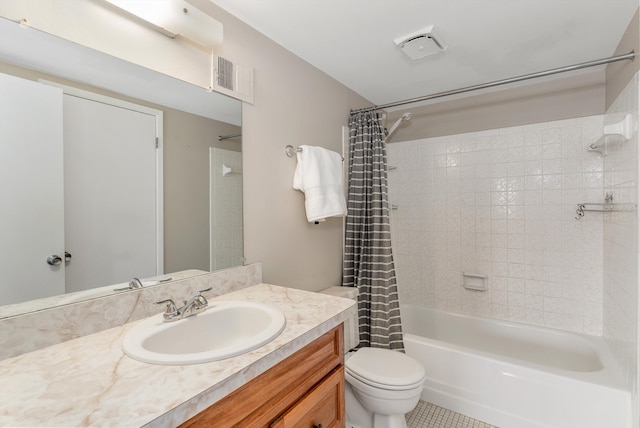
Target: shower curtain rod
[[226, 137], [594, 63]]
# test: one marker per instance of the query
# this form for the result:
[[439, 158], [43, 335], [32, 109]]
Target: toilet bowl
[[381, 387]]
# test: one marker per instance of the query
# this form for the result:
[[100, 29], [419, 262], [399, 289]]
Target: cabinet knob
[[317, 426]]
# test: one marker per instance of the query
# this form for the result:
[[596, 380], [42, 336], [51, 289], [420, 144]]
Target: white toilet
[[381, 385]]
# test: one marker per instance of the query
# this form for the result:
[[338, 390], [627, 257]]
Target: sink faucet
[[133, 284], [193, 306]]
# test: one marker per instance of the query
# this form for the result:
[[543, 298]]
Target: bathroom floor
[[427, 415]]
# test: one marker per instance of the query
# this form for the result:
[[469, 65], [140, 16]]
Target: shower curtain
[[368, 259]]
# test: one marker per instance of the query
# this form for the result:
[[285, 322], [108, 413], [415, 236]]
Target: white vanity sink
[[225, 329]]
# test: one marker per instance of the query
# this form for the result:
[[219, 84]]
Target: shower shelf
[[606, 207]]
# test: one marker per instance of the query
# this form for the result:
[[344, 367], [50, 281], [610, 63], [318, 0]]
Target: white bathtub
[[515, 375]]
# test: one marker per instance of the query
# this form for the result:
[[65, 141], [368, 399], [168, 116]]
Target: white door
[[111, 193], [31, 190]]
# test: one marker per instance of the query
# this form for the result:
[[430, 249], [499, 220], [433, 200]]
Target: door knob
[[67, 257], [54, 260]]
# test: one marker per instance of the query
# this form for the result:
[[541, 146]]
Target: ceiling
[[352, 40]]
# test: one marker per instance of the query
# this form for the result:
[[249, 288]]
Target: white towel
[[319, 175]]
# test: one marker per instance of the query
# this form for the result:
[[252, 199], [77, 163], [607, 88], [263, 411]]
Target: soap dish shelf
[[476, 282]]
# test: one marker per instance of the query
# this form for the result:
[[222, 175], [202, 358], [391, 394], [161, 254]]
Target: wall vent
[[225, 73], [232, 79]]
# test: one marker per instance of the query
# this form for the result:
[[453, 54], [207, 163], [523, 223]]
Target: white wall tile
[[227, 250], [502, 202], [620, 252]]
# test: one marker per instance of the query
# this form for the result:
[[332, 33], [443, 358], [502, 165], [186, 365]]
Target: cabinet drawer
[[322, 407]]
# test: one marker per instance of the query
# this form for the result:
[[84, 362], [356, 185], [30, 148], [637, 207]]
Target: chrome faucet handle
[[199, 301], [171, 310], [135, 283], [202, 301]]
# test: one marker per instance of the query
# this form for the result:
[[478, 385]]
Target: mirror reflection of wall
[[188, 137], [187, 184]]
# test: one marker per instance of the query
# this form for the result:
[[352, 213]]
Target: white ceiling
[[352, 40]]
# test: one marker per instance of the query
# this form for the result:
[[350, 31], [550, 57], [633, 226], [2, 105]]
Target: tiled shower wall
[[621, 244], [502, 203], [226, 209]]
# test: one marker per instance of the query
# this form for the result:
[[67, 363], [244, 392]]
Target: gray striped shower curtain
[[368, 259]]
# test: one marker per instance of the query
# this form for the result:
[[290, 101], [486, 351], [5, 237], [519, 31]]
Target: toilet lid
[[384, 368]]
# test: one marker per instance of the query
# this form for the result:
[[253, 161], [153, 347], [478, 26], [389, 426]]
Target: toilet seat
[[385, 369]]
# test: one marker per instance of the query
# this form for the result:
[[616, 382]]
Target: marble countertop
[[89, 381]]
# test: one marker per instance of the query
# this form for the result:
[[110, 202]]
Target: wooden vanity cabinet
[[304, 390]]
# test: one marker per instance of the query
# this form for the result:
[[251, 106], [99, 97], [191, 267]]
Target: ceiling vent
[[421, 43]]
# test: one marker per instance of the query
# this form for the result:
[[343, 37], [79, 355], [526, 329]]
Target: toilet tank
[[351, 336]]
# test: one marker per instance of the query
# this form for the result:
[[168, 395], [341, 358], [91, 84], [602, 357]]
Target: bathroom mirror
[[201, 135]]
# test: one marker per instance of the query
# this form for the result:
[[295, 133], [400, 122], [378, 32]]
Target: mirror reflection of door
[[111, 191], [111, 187], [31, 189]]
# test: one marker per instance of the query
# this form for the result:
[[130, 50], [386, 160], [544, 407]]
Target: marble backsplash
[[35, 330]]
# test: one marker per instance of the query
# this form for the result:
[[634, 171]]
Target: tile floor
[[427, 415]]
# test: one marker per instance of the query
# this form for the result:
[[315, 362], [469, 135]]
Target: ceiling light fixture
[[172, 18], [421, 43]]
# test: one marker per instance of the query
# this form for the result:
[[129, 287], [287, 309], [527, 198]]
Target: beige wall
[[619, 73], [539, 100], [295, 104]]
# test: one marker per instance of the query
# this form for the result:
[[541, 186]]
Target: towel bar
[[289, 150], [603, 208]]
